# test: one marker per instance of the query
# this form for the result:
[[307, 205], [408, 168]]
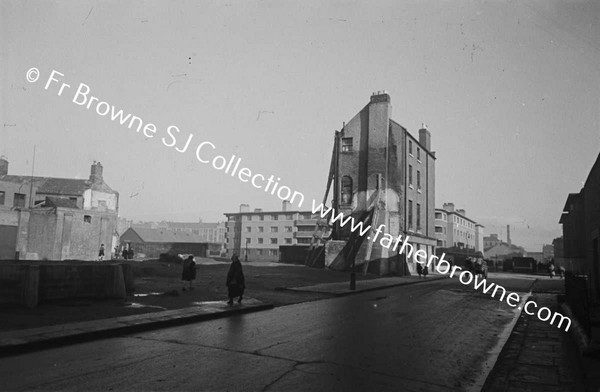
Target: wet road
[[432, 336]]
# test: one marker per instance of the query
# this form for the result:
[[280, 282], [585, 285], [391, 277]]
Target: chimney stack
[[448, 207], [3, 166], [244, 207], [508, 234], [96, 173], [285, 205], [425, 137]]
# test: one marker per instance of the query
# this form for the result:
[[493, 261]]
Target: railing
[[577, 295]]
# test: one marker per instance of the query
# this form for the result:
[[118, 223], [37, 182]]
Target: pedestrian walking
[[124, 253], [101, 253], [130, 254], [188, 272], [561, 271], [425, 271], [419, 269], [236, 283]]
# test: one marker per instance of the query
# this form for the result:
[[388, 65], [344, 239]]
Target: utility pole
[[31, 182]]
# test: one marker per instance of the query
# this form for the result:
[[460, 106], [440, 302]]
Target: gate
[[8, 242]]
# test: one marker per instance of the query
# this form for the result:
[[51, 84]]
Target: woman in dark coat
[[188, 272], [236, 283]]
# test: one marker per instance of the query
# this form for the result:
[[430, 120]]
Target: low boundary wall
[[29, 283]]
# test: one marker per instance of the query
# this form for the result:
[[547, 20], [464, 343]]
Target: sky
[[510, 91]]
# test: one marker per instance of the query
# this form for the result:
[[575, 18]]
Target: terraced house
[[56, 218]]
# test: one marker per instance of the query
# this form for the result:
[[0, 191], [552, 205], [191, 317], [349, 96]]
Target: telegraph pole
[[31, 182]]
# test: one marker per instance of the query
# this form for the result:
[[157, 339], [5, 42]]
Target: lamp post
[[246, 254], [353, 275]]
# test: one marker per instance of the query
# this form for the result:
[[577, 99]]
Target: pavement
[[24, 340], [538, 357]]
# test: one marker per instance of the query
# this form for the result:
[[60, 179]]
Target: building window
[[261, 217], [260, 240], [261, 229], [410, 147], [248, 229], [288, 240], [308, 216], [303, 240], [439, 229], [440, 243], [418, 154], [19, 200], [288, 229], [438, 215], [1, 198], [410, 175], [248, 240], [87, 219], [272, 252], [346, 144], [418, 217], [274, 217], [346, 190], [410, 214], [418, 179], [274, 229], [273, 241], [259, 252], [289, 217]]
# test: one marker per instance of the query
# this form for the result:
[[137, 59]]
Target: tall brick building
[[377, 153]]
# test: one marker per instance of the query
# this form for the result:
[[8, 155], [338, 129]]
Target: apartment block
[[257, 235]]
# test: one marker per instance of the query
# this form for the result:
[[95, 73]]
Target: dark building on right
[[581, 230]]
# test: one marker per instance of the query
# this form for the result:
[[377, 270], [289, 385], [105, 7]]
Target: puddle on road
[[200, 303], [137, 305], [147, 294]]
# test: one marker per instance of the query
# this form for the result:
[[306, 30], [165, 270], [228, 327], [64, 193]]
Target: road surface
[[433, 336]]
